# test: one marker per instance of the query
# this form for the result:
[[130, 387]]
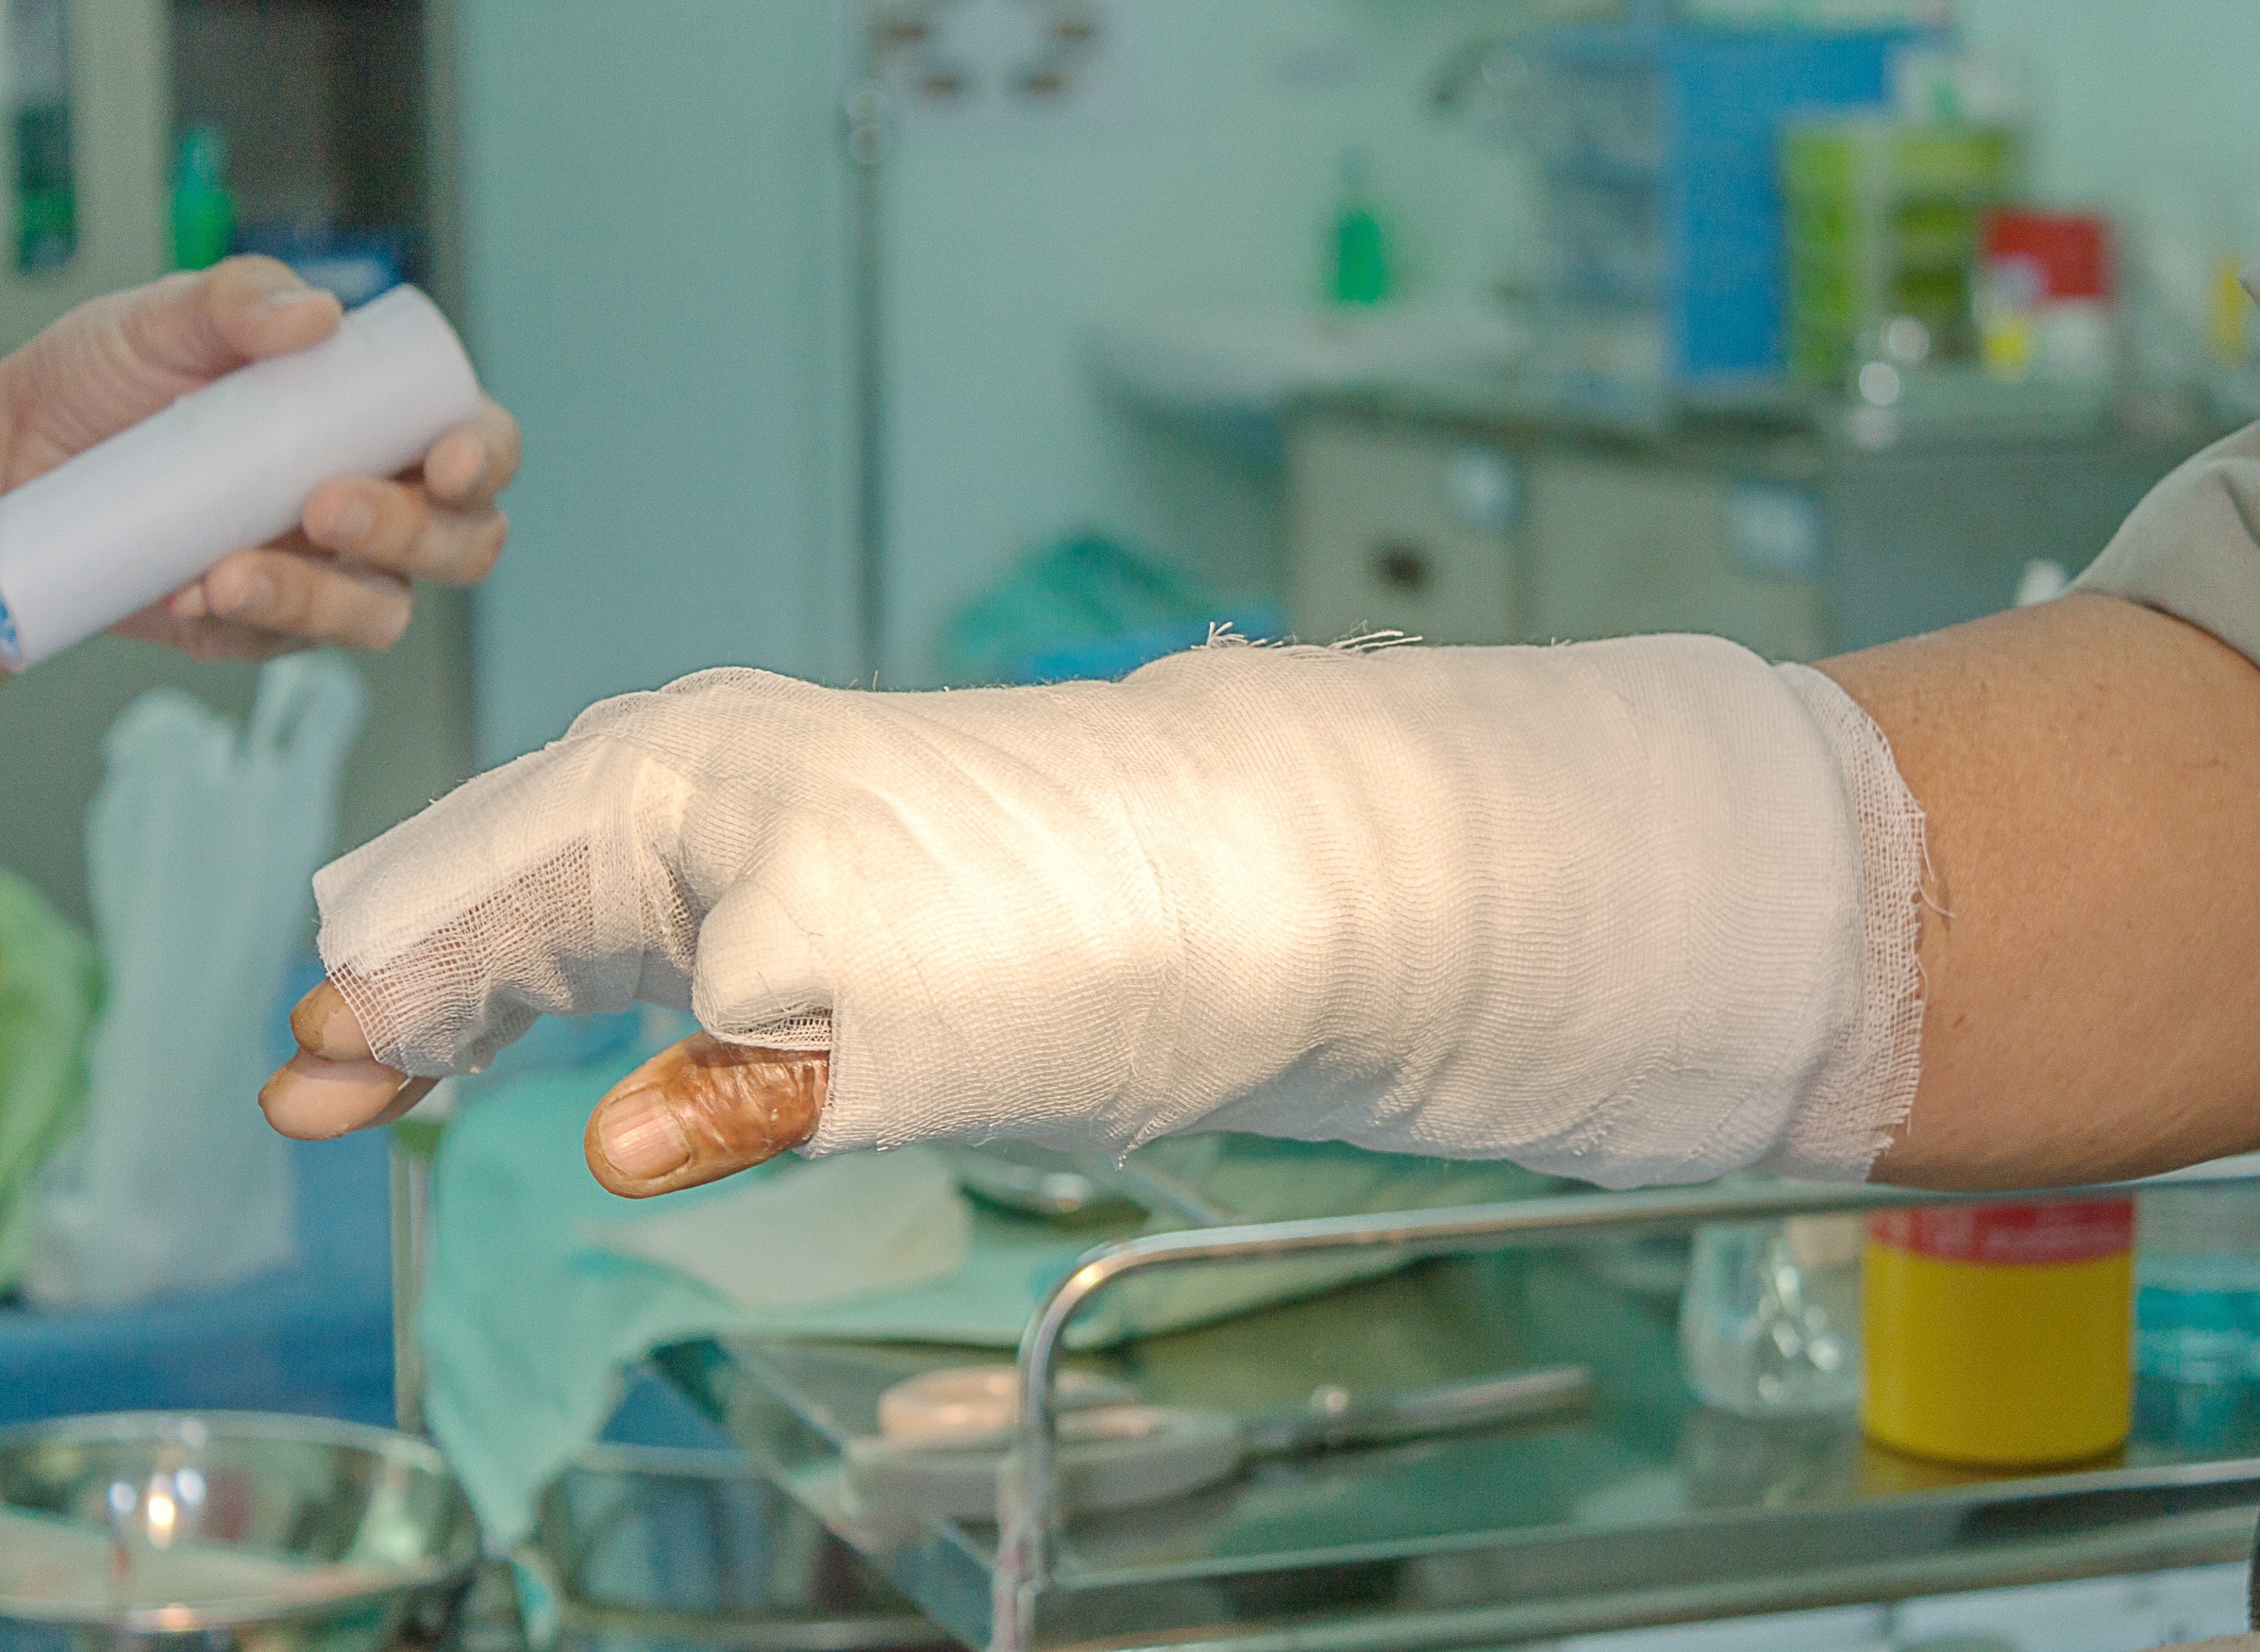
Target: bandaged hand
[[1634, 911], [343, 576]]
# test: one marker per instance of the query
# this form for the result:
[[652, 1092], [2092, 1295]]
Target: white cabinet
[[1394, 528], [1455, 537], [1621, 546], [1784, 538]]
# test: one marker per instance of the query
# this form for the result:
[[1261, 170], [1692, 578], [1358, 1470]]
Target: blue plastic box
[[1666, 265]]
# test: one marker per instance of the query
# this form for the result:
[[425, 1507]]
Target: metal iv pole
[[866, 137]]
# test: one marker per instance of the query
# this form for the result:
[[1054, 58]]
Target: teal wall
[[650, 251], [2133, 101]]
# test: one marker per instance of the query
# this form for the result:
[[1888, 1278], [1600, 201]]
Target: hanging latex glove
[[1634, 911]]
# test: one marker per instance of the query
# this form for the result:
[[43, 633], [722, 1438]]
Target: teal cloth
[[528, 1326], [1050, 613]]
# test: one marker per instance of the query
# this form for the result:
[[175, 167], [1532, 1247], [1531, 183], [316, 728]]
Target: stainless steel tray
[[1645, 1509]]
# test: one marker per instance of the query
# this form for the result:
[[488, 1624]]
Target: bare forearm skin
[[2090, 775]]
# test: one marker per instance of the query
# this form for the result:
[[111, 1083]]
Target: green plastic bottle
[[36, 39], [1361, 247], [203, 210]]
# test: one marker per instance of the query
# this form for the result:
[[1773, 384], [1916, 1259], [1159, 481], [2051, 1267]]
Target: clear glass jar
[[1770, 1323]]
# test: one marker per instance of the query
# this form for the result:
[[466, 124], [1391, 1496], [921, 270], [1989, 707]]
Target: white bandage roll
[[225, 467]]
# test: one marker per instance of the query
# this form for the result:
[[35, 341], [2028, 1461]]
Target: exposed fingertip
[[307, 1015], [275, 1102], [283, 1098], [252, 275], [312, 1100], [324, 1025], [262, 305], [700, 1110], [387, 634]]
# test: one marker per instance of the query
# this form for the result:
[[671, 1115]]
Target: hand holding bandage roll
[[1634, 912], [229, 465], [99, 497]]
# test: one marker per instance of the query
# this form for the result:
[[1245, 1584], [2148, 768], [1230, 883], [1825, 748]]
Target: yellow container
[[1999, 1334]]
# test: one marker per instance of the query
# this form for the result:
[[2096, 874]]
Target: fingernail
[[352, 521], [290, 298], [640, 1138], [256, 593]]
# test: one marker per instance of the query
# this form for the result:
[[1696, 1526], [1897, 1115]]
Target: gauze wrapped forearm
[[1634, 911]]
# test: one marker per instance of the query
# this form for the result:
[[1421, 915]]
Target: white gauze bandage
[[1634, 911]]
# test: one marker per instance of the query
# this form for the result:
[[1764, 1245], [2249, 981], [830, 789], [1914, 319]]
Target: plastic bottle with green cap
[[1361, 246], [203, 210]]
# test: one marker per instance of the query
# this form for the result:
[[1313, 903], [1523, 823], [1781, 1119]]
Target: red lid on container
[[2068, 1231], [2067, 252]]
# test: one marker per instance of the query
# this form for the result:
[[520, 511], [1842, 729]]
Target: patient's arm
[[2090, 771], [2091, 776]]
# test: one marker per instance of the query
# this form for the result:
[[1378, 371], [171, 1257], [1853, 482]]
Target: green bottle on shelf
[[203, 210], [1361, 247], [35, 42]]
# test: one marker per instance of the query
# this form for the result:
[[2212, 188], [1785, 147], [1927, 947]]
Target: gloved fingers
[[292, 594], [436, 522], [398, 528], [240, 309], [113, 361], [202, 638], [469, 466], [702, 1110]]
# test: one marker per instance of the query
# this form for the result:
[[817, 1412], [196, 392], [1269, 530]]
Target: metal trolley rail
[[1642, 1510]]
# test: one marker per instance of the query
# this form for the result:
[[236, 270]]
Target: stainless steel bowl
[[223, 1530], [654, 1550]]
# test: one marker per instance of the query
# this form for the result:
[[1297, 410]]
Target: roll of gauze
[[230, 465]]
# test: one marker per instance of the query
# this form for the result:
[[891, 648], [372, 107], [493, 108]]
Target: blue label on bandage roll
[[11, 646]]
